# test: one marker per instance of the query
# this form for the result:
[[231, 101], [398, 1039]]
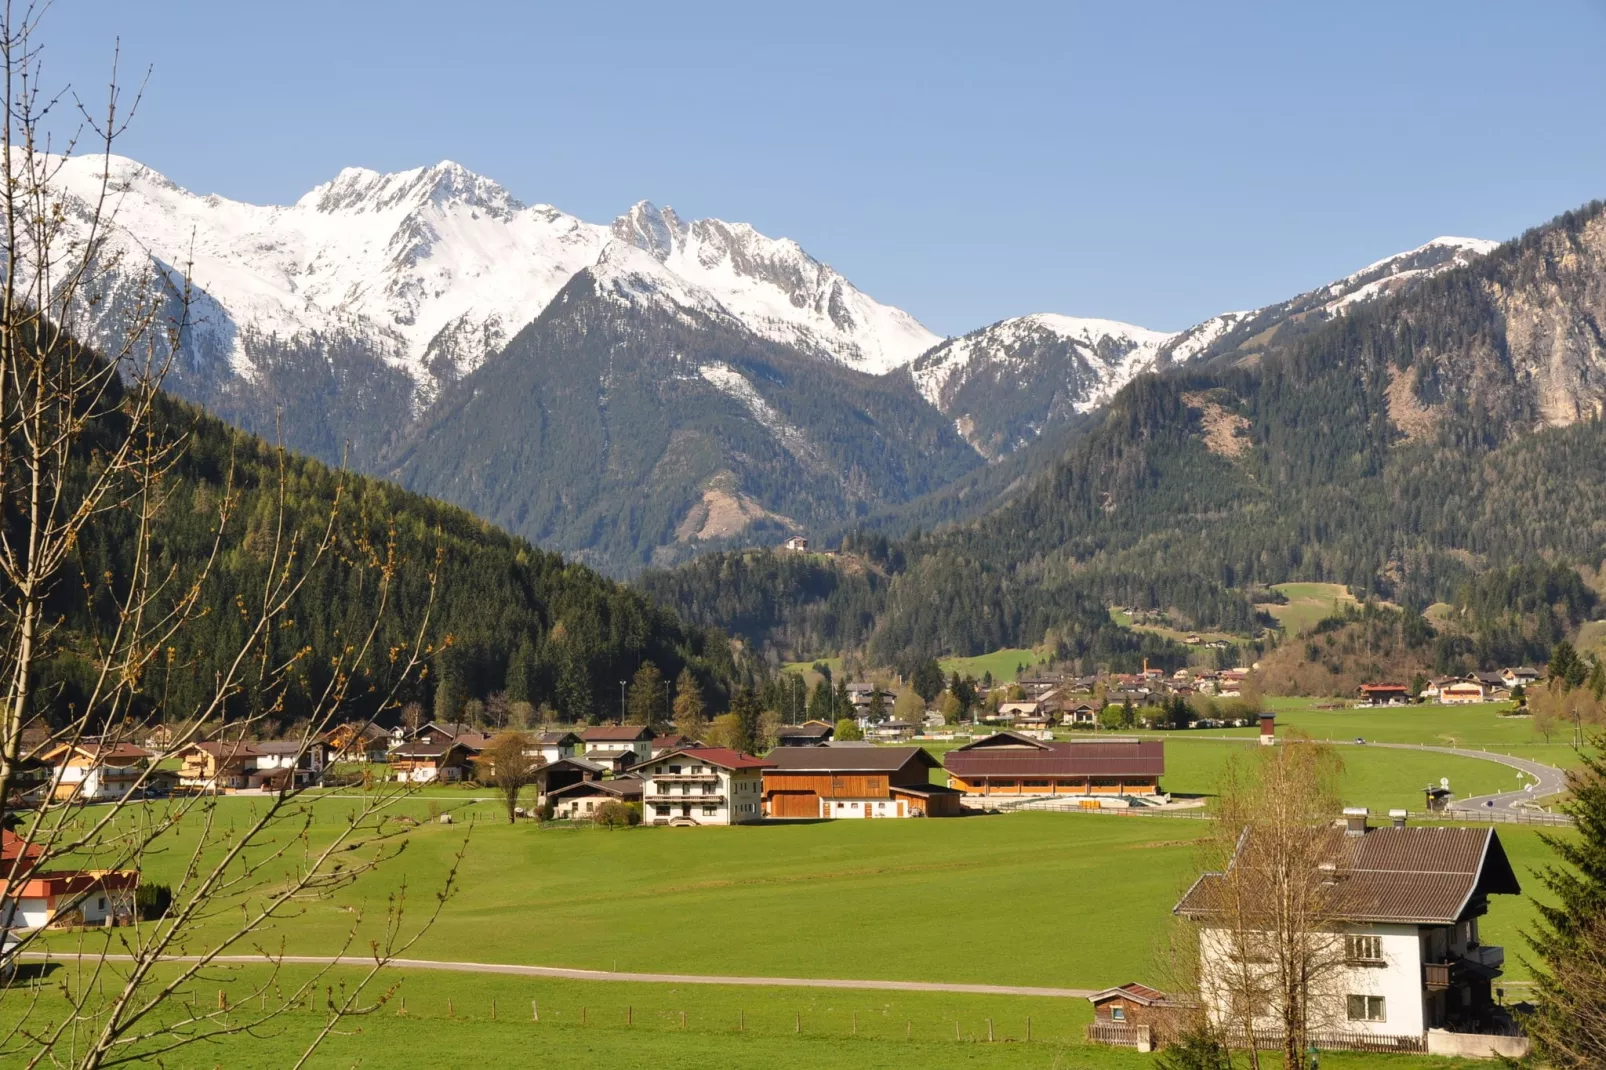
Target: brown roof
[[1011, 755], [1140, 994], [101, 751], [1415, 875], [626, 787], [427, 750], [616, 733], [556, 739], [848, 759], [803, 731]]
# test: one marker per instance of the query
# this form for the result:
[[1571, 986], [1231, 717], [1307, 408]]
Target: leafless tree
[[1271, 949], [86, 436], [507, 764]]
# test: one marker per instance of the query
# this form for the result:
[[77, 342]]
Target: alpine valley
[[640, 392]]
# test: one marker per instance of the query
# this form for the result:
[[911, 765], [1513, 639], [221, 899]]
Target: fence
[[1492, 816], [1120, 1035], [1339, 1040]]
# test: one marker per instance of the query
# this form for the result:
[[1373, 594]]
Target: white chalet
[[703, 786], [1415, 976]]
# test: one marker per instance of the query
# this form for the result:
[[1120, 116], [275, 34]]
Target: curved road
[[1550, 779], [607, 975]]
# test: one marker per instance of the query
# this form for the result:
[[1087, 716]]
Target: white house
[[92, 771], [1462, 692], [31, 898], [703, 786], [1522, 676], [550, 746], [1408, 967], [613, 739]]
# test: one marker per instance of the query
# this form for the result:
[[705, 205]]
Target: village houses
[[703, 786]]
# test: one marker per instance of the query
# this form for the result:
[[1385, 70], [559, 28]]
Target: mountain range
[[631, 393]]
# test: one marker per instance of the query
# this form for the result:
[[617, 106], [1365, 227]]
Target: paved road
[[620, 975], [1550, 779]]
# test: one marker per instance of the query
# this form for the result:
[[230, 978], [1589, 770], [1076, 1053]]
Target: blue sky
[[1150, 162]]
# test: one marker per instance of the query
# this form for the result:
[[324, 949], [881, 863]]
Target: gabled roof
[[1142, 995], [625, 787], [723, 757], [578, 762], [99, 752], [428, 750], [450, 728], [616, 733], [847, 759], [1416, 875], [556, 739], [1009, 754], [804, 731]]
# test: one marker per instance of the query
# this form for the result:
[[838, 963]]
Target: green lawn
[[1001, 663], [802, 1028]]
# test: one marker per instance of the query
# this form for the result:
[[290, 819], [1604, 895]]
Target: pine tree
[[449, 690], [878, 704], [841, 705], [644, 704], [820, 702], [1569, 1028], [520, 667], [748, 713], [689, 709]]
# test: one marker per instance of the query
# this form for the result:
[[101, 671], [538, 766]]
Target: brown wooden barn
[[855, 782], [1134, 1015], [1012, 764]]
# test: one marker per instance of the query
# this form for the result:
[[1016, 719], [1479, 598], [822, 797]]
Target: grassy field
[[1001, 663], [807, 1029], [1307, 604]]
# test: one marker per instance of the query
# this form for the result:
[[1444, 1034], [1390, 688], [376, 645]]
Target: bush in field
[[614, 814]]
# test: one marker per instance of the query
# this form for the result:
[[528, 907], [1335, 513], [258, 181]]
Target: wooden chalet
[[442, 732], [807, 734], [1012, 764], [581, 800], [567, 772], [632, 739], [357, 741], [1134, 1015], [91, 771], [423, 763], [855, 782], [1384, 694]]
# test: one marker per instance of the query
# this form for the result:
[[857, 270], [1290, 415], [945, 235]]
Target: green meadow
[[1307, 604]]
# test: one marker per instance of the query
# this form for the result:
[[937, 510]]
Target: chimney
[[1268, 729], [1355, 820], [1397, 818]]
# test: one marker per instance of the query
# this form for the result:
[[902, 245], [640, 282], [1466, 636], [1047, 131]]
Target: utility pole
[[622, 717]]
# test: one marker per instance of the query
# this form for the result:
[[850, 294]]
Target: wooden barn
[[1012, 764], [855, 782]]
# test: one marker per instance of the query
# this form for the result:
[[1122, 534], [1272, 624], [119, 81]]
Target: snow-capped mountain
[[778, 290], [1007, 383], [436, 267]]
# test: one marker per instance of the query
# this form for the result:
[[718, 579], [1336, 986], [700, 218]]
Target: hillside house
[[357, 741], [427, 763], [552, 746], [441, 732], [566, 772], [91, 771], [579, 801], [863, 782], [634, 740], [1011, 764], [1081, 713], [797, 544], [703, 786], [1405, 904], [672, 741], [31, 898], [1522, 676], [216, 766], [1463, 692], [891, 731], [1384, 694], [807, 734]]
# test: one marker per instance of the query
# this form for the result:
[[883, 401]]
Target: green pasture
[[448, 1020], [1307, 604], [1001, 663]]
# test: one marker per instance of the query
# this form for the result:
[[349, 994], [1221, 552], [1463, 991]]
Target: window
[[589, 804], [1363, 949], [710, 811], [674, 769], [1036, 783], [663, 811], [102, 903], [708, 789], [1118, 1013], [1366, 1009]]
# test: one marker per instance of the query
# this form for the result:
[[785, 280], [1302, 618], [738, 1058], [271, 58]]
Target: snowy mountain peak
[[358, 189]]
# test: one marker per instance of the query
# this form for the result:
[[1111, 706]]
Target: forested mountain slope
[[637, 421], [504, 615], [1399, 449]]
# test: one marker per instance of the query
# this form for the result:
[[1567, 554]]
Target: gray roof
[[848, 759]]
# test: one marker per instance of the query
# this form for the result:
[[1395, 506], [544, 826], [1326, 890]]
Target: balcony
[[1487, 956], [685, 778], [687, 800]]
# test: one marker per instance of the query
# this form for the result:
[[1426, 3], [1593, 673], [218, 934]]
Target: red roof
[[13, 846], [1367, 689], [104, 752], [723, 757]]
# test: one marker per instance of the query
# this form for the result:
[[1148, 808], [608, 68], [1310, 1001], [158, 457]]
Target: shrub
[[153, 901], [614, 814]]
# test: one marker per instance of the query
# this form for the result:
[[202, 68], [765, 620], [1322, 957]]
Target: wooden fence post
[[956, 1029], [493, 1010], [989, 1030], [404, 1005], [1028, 1029], [741, 1020], [222, 1000], [630, 1015], [682, 1021], [908, 1030], [450, 1011], [582, 1016], [535, 1011], [855, 1023], [797, 1026]]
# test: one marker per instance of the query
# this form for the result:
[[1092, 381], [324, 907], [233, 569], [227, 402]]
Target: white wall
[[865, 808]]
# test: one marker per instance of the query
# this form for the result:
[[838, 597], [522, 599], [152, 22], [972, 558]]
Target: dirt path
[[620, 975]]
